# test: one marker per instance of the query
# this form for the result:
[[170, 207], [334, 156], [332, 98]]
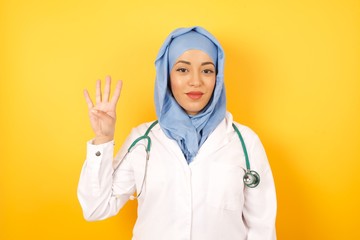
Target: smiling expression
[[192, 80]]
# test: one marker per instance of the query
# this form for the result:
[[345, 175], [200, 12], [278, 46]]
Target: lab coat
[[203, 200]]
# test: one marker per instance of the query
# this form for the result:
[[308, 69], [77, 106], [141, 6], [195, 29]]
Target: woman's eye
[[182, 70], [208, 71]]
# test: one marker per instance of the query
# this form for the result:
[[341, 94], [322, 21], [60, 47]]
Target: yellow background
[[292, 74]]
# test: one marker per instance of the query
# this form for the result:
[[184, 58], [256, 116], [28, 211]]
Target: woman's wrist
[[101, 140]]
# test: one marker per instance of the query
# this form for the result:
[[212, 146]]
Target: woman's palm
[[103, 113]]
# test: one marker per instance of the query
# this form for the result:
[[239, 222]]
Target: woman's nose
[[195, 80]]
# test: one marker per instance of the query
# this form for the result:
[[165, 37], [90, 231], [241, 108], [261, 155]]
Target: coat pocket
[[225, 189]]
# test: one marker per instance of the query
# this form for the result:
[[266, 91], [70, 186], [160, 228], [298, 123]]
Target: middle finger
[[107, 88]]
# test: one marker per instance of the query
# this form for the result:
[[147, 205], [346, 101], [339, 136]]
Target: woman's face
[[192, 80]]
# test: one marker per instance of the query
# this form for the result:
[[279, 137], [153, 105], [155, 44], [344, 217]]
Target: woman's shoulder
[[146, 127], [245, 130]]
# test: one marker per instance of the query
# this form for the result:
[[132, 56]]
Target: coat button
[[98, 153]]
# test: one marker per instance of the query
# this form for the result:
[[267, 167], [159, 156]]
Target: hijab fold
[[189, 131]]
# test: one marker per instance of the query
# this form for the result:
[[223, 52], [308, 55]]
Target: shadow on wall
[[294, 202]]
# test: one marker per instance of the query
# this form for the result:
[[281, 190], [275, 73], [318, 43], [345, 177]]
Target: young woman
[[197, 174]]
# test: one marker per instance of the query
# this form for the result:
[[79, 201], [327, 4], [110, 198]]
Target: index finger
[[116, 95], [88, 99]]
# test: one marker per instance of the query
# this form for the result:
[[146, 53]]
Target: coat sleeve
[[260, 202], [102, 192]]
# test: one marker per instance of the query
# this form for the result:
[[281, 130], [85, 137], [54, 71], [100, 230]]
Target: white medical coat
[[203, 200]]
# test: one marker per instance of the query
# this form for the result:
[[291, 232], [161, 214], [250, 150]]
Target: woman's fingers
[[98, 92], [103, 113], [88, 99], [116, 96], [107, 89], [102, 98]]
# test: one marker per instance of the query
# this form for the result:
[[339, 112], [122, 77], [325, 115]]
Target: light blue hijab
[[190, 132]]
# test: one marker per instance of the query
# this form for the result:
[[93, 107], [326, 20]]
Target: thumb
[[100, 114]]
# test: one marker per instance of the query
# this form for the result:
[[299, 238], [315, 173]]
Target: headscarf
[[189, 131]]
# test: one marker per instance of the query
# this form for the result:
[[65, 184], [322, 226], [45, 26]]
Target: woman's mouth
[[194, 95]]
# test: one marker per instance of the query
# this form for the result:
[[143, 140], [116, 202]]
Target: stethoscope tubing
[[251, 178]]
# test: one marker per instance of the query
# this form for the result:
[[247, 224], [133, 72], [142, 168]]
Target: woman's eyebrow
[[182, 61], [206, 63], [189, 63]]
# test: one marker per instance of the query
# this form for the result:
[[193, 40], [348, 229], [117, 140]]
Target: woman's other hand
[[103, 113]]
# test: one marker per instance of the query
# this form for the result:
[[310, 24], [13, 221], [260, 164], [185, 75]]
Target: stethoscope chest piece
[[251, 178]]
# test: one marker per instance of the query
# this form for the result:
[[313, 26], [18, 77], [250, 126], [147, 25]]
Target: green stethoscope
[[251, 178]]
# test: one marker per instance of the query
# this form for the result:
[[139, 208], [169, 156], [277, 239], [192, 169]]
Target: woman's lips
[[194, 95]]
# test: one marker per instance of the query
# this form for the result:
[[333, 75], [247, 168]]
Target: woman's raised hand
[[103, 113]]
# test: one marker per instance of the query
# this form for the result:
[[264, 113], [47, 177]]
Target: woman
[[190, 183]]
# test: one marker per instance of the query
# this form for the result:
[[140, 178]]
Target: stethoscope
[[251, 178]]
